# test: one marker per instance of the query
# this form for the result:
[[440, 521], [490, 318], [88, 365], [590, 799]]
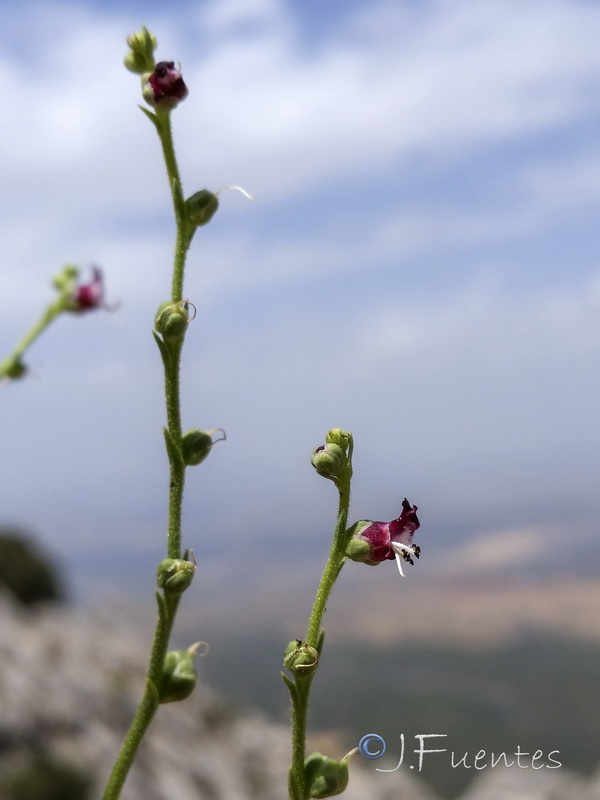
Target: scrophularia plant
[[171, 675]]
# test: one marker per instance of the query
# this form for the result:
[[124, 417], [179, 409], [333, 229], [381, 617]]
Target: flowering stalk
[[334, 461], [318, 776], [171, 675]]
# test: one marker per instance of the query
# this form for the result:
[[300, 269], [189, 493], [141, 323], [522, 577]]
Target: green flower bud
[[197, 444], [174, 575], [300, 658], [66, 280], [172, 319], [329, 460], [340, 437], [324, 776], [140, 57], [178, 675], [201, 207]]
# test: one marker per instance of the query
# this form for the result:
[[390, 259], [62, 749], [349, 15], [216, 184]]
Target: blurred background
[[420, 267]]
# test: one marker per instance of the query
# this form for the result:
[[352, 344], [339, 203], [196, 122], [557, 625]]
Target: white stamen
[[398, 549], [399, 561]]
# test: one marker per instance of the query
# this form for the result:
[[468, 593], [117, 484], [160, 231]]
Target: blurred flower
[[88, 296]]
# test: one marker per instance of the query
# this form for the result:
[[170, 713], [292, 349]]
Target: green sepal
[[320, 641], [164, 350], [162, 606], [151, 697], [290, 685], [178, 199], [152, 117], [173, 450]]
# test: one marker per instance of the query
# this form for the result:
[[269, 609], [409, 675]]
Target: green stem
[[333, 567], [184, 234], [296, 782], [177, 468], [301, 694], [149, 703]]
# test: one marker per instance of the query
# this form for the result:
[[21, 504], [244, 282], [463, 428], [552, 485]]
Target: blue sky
[[420, 266]]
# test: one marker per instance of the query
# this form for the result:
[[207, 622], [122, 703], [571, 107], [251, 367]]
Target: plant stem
[[148, 705], [300, 696], [167, 604]]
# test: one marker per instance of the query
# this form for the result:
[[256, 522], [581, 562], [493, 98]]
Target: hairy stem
[[167, 604]]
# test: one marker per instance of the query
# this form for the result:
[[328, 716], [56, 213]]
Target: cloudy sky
[[421, 266]]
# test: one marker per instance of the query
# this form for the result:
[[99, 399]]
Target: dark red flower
[[165, 87], [373, 542]]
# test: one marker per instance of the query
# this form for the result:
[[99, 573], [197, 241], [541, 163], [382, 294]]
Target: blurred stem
[[10, 363]]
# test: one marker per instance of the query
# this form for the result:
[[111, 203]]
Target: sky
[[420, 266]]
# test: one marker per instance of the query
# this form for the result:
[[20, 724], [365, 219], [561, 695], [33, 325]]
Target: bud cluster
[[300, 658], [172, 319], [333, 460], [174, 575]]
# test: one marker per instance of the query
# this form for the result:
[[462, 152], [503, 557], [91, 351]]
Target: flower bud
[[164, 88], [300, 658], [325, 776], [67, 279], [329, 460], [178, 675], [172, 319], [140, 57], [197, 444], [340, 437], [201, 207], [174, 575]]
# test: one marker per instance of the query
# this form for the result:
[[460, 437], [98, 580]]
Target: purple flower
[[89, 295], [373, 542], [165, 86]]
